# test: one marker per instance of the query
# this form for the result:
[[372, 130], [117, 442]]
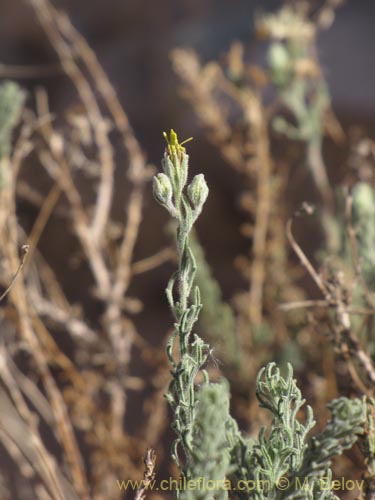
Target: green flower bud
[[363, 200], [280, 63], [198, 192], [162, 188], [168, 167]]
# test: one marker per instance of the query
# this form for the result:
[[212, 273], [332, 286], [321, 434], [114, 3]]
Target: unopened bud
[[363, 200], [198, 192], [280, 64], [162, 189]]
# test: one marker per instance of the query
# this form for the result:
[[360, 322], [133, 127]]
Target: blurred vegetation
[[84, 320]]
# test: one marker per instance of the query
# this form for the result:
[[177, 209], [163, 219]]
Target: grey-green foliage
[[11, 103], [210, 454], [348, 417], [293, 92], [170, 191], [216, 320], [279, 450], [340, 434], [363, 221], [208, 443], [284, 450], [285, 444], [295, 75], [368, 443], [300, 86]]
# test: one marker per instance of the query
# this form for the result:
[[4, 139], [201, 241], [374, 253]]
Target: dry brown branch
[[262, 215], [137, 174], [255, 116], [25, 468], [289, 306], [48, 19], [55, 162], [149, 263], [25, 250], [29, 71], [30, 390], [44, 277], [18, 424], [158, 420], [18, 297], [149, 474], [44, 215], [89, 392], [71, 46], [77, 328], [198, 87], [65, 431], [319, 173], [24, 144], [138, 167], [119, 335], [345, 339], [306, 209], [252, 156]]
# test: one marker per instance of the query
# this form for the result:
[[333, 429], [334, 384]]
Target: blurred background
[[284, 97]]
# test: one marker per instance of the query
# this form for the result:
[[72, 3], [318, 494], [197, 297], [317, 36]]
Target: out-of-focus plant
[[50, 396], [210, 453], [300, 85], [216, 320], [362, 220], [11, 103], [348, 305], [231, 103], [91, 395], [208, 446]]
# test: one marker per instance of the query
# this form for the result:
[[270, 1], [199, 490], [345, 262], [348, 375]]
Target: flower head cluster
[[168, 186]]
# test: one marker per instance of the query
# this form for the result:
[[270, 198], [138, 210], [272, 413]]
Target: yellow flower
[[174, 147]]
